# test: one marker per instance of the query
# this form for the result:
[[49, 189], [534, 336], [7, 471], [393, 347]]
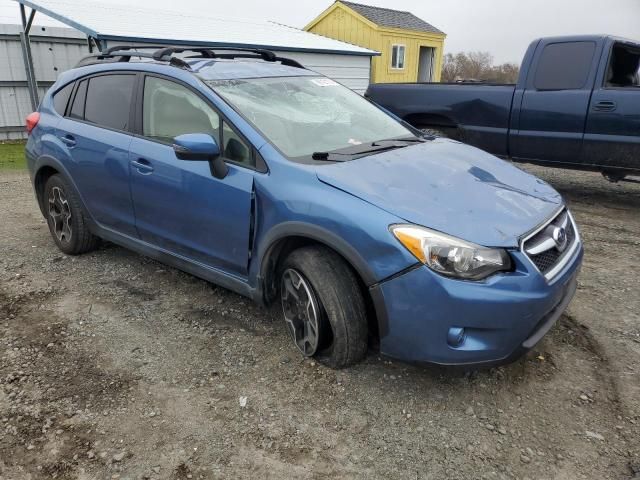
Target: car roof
[[204, 69], [224, 69]]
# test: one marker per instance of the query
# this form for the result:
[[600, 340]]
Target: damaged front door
[[179, 205]]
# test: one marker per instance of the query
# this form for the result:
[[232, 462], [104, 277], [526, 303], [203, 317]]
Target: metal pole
[[27, 57], [30, 21]]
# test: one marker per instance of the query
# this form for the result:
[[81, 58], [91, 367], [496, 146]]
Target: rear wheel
[[323, 307], [66, 221]]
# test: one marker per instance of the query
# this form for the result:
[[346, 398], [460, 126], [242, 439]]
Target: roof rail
[[100, 58], [123, 53], [210, 52]]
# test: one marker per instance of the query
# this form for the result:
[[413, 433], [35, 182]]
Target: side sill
[[235, 284]]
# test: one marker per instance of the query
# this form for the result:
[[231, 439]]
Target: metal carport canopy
[[122, 23]]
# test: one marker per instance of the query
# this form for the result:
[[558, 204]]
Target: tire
[[65, 218], [432, 132], [336, 298], [612, 176]]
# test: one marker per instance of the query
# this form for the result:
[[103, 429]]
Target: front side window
[[564, 66], [234, 148], [397, 56], [303, 115], [624, 67], [109, 98], [170, 110]]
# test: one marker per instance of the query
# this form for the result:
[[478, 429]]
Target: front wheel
[[323, 307]]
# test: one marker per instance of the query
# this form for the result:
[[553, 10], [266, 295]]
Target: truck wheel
[[613, 177], [66, 221], [432, 132], [323, 307]]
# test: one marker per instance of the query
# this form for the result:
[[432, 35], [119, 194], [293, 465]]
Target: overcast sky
[[502, 27]]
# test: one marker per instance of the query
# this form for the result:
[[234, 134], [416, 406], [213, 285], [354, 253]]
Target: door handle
[[143, 166], [68, 140], [605, 106]]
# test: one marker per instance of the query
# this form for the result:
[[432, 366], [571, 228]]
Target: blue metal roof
[[122, 24]]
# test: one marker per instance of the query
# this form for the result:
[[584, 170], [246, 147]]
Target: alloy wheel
[[301, 311], [60, 213]]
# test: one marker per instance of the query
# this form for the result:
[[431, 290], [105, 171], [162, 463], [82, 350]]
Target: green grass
[[12, 156]]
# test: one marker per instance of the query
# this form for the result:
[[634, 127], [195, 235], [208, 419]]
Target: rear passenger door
[[180, 206], [555, 102], [96, 134]]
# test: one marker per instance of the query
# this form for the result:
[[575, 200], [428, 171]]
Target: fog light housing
[[456, 336]]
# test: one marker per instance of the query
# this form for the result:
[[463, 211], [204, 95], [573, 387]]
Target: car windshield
[[305, 115]]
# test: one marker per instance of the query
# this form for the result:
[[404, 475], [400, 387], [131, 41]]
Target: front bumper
[[502, 317]]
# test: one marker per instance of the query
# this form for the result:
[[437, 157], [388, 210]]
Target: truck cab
[[575, 105]]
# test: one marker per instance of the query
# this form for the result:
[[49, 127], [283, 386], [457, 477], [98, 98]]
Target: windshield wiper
[[400, 140], [343, 156], [349, 153]]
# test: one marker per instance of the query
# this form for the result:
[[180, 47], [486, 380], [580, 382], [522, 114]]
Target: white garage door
[[353, 71]]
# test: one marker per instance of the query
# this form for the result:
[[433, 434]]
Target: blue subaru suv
[[254, 173]]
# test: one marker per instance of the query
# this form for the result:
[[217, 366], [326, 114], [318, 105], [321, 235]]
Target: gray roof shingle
[[385, 17]]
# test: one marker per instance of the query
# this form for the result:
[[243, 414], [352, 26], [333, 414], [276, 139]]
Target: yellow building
[[411, 49]]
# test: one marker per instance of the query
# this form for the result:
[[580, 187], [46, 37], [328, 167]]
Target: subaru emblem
[[559, 236]]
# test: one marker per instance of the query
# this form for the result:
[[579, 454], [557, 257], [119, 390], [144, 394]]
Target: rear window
[[108, 100], [564, 66], [61, 98]]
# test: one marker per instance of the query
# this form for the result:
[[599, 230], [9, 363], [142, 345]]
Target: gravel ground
[[115, 366]]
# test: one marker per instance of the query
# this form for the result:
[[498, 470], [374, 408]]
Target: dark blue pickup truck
[[576, 105]]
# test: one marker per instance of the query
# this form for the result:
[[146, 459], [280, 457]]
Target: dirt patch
[[115, 366], [49, 384]]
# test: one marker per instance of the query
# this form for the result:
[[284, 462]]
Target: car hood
[[449, 187]]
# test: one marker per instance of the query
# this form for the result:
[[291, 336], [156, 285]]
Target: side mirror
[[200, 147]]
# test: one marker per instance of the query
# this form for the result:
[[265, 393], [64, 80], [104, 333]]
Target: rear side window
[[564, 66], [624, 67], [108, 100], [77, 108], [61, 98]]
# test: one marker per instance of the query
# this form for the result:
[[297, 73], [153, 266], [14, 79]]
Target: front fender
[[319, 234]]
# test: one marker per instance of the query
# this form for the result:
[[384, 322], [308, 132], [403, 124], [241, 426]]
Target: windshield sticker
[[324, 82]]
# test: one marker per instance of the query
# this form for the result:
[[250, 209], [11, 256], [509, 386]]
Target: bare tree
[[477, 66]]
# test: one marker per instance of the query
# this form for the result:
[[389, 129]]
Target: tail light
[[31, 121]]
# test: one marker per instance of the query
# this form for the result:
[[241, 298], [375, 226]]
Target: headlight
[[449, 255]]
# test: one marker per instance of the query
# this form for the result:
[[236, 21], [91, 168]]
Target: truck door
[[612, 136], [555, 102]]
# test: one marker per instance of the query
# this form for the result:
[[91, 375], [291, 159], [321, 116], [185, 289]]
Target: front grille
[[544, 247]]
